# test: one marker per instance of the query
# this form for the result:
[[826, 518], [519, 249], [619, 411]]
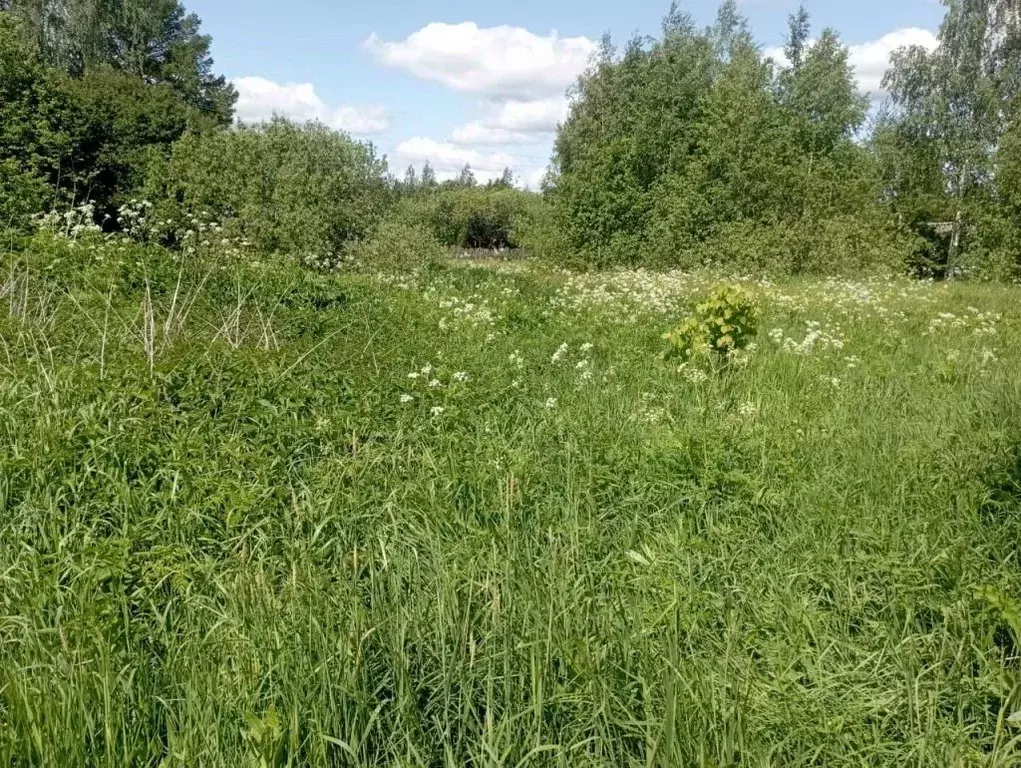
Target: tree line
[[695, 147], [688, 148]]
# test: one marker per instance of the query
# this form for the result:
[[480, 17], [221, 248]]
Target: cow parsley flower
[[405, 399]]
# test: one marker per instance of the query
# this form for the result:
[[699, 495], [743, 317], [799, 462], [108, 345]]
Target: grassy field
[[468, 515]]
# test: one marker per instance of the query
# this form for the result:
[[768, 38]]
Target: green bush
[[397, 244], [476, 217], [303, 190], [21, 195], [724, 322], [841, 245]]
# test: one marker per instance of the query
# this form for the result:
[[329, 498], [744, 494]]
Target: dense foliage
[[493, 217], [156, 41], [693, 148], [88, 137], [948, 148], [678, 151], [299, 190]]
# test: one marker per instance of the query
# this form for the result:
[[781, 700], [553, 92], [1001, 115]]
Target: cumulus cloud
[[871, 60], [481, 133], [260, 99], [514, 122], [448, 159], [501, 63]]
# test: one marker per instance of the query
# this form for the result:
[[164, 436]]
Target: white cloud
[[871, 60], [448, 159], [481, 133], [502, 63], [260, 99], [514, 122]]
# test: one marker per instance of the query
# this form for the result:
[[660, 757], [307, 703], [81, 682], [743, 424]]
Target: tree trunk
[[955, 237], [955, 243]]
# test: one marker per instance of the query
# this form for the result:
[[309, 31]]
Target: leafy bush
[[840, 245], [724, 322], [304, 190], [694, 148], [397, 244], [21, 195], [474, 217]]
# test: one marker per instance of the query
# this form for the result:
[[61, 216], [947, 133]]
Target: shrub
[[833, 246], [21, 195], [395, 245], [479, 217], [724, 322], [304, 190], [88, 138]]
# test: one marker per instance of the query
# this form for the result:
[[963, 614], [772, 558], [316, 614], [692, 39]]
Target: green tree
[[693, 147], [302, 190], [799, 30], [38, 120], [155, 40], [466, 178], [428, 176], [954, 104], [505, 181]]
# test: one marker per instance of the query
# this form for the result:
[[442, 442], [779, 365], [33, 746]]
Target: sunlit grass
[[470, 516]]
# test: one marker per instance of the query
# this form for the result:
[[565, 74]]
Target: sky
[[483, 82]]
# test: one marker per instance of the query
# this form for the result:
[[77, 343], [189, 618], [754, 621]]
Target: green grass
[[227, 541]]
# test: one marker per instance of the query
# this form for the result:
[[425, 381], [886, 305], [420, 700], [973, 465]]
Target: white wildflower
[[692, 374], [405, 399], [551, 403]]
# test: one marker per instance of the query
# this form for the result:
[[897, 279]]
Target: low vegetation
[[245, 520], [723, 468]]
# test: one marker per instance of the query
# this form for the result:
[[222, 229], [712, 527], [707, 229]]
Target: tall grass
[[254, 516]]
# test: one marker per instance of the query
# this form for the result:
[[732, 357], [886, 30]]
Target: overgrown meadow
[[469, 515]]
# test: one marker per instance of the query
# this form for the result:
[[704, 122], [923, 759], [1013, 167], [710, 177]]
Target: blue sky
[[479, 82]]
